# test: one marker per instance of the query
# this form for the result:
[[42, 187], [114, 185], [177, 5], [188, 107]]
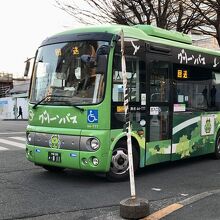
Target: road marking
[[19, 132], [18, 138], [3, 148], [164, 212], [12, 143], [195, 198], [156, 189]]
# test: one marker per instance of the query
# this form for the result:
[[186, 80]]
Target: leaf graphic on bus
[[183, 147]]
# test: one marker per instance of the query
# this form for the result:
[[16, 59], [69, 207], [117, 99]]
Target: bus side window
[[194, 89], [132, 66], [159, 83], [215, 91], [136, 83]]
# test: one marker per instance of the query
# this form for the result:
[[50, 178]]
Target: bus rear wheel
[[217, 146], [53, 169], [119, 167]]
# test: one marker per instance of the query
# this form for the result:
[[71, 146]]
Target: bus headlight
[[94, 144], [28, 137], [89, 143]]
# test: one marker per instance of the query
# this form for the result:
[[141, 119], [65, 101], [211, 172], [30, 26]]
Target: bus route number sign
[[182, 74]]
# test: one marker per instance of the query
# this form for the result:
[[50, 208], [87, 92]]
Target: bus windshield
[[67, 74]]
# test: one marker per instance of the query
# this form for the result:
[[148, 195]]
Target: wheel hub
[[119, 161]]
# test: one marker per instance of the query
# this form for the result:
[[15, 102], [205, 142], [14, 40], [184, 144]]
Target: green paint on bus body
[[181, 146], [193, 134], [187, 141]]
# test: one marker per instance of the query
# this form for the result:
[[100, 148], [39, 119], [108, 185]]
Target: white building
[[18, 96]]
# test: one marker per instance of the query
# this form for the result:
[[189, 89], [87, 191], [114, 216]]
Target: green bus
[[76, 112]]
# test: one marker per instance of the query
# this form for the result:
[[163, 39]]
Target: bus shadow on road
[[69, 175], [175, 166]]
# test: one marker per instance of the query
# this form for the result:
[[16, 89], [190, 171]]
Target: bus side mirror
[[101, 64], [27, 67], [101, 59], [103, 50], [88, 60], [85, 58]]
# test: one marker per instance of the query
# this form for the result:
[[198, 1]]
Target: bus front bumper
[[89, 161]]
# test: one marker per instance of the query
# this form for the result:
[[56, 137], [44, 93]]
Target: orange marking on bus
[[164, 212]]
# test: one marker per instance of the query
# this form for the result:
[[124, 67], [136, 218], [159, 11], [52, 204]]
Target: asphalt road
[[29, 192], [12, 127]]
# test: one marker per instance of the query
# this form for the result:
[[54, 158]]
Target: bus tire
[[217, 147], [119, 169], [53, 169]]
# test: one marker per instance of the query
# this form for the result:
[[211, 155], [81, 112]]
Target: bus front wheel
[[217, 146], [119, 167]]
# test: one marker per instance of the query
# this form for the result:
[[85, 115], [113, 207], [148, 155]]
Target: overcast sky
[[24, 24]]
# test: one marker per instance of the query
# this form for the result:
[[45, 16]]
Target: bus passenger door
[[158, 130]]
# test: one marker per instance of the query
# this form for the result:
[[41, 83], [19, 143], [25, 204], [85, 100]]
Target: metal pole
[[128, 123]]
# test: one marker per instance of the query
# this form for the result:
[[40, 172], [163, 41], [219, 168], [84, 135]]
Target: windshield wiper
[[77, 107], [54, 96], [36, 104]]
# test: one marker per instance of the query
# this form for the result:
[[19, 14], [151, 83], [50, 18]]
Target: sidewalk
[[15, 119], [204, 209], [203, 206]]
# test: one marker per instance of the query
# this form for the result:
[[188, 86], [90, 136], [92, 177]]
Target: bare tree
[[210, 12], [180, 15], [88, 12]]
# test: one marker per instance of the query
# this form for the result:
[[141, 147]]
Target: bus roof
[[144, 32]]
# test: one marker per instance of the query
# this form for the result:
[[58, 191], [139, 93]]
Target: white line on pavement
[[19, 138], [19, 132], [3, 148], [12, 143]]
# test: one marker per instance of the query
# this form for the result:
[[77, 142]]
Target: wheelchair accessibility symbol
[[92, 116]]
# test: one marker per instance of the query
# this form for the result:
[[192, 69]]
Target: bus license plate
[[54, 157]]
